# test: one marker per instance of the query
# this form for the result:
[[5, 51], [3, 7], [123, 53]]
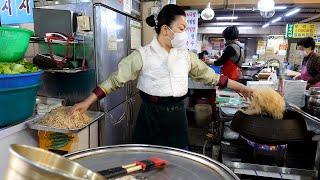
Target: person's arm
[[201, 72], [315, 64], [128, 69], [228, 52]]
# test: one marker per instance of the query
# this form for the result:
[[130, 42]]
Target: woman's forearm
[[235, 85], [91, 99]]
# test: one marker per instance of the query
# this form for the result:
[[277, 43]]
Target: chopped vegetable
[[20, 67]]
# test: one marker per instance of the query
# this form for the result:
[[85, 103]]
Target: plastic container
[[20, 80], [54, 141], [14, 43], [217, 69], [17, 104]]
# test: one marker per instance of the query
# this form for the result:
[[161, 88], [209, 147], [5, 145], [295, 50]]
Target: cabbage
[[17, 68]]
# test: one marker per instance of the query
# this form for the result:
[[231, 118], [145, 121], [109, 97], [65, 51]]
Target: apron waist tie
[[160, 100]]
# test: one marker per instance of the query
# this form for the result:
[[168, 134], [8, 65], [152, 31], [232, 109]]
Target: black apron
[[163, 124]]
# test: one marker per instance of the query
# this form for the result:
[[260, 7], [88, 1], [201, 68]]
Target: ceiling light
[[226, 24], [280, 7], [276, 20], [227, 18], [267, 14], [245, 27], [266, 5], [292, 12], [207, 13], [214, 28], [266, 25]]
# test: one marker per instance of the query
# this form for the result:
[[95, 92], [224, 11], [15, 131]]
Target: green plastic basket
[[14, 43]]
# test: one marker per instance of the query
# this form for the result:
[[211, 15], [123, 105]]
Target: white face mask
[[303, 53], [180, 40]]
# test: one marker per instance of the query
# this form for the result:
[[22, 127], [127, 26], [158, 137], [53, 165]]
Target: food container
[[14, 43], [20, 80], [182, 165], [58, 142], [17, 104], [294, 92], [28, 163], [260, 84], [93, 115]]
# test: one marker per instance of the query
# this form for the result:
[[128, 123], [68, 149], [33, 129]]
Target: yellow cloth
[[130, 66]]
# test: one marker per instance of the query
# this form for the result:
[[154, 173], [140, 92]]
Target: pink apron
[[306, 76]]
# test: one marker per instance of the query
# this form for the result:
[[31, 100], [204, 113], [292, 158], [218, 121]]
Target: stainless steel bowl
[[31, 163]]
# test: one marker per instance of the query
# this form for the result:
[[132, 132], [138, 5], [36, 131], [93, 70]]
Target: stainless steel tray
[[94, 115]]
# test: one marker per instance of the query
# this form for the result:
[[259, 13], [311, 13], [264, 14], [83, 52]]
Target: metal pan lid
[[182, 165]]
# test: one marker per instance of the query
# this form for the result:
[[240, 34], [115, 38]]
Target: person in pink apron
[[310, 70]]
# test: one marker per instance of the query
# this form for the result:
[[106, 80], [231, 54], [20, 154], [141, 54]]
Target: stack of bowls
[[17, 92], [314, 101]]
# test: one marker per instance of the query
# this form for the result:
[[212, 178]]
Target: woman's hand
[[297, 77], [81, 107], [84, 105], [245, 91]]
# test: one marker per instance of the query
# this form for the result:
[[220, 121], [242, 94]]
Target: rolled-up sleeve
[[128, 69], [203, 73]]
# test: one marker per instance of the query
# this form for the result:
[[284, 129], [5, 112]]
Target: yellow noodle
[[60, 118], [266, 100]]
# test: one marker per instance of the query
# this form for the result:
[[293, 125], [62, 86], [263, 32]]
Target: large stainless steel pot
[[31, 163], [183, 165]]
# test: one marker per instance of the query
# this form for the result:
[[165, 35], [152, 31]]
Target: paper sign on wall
[[301, 30], [16, 11], [261, 47], [135, 34], [112, 43], [127, 6], [192, 29]]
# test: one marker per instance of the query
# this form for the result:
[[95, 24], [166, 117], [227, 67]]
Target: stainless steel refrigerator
[[111, 38]]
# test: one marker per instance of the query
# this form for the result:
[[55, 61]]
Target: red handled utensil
[[144, 165]]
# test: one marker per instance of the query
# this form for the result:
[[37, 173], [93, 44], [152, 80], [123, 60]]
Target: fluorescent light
[[245, 27], [227, 18], [226, 24], [292, 12], [266, 25], [215, 28], [280, 7], [276, 20]]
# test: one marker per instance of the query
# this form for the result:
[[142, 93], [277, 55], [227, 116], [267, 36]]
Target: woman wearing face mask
[[310, 70], [162, 68]]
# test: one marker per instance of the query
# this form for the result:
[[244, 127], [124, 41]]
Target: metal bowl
[[26, 162]]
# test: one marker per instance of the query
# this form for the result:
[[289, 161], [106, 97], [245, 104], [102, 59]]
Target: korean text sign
[[192, 29], [16, 11]]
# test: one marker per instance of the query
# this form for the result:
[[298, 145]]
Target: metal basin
[[26, 163], [183, 165]]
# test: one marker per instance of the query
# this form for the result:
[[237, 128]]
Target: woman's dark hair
[[231, 33], [307, 42], [165, 17]]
